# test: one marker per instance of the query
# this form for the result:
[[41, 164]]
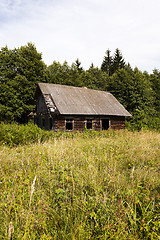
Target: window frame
[[69, 121], [89, 121]]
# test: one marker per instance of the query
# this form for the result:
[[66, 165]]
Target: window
[[69, 124], [43, 122], [89, 123], [39, 121], [50, 123], [105, 124]]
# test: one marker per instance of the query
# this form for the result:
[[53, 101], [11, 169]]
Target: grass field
[[82, 186]]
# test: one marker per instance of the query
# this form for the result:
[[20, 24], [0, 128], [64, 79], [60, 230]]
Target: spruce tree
[[107, 63], [118, 61]]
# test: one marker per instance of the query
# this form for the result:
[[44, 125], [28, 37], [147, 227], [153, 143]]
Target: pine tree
[[118, 61], [107, 63], [155, 81], [111, 64], [133, 90]]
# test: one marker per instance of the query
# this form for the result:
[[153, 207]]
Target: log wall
[[79, 123], [117, 123], [60, 125]]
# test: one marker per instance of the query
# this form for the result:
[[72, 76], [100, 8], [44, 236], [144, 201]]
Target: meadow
[[90, 185]]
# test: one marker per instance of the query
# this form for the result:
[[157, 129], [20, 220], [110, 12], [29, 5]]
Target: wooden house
[[69, 108]]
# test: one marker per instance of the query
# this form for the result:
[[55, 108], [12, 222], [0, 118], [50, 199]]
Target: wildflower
[[152, 197], [154, 229], [12, 195]]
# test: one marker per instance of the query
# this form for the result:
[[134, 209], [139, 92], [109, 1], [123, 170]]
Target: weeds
[[82, 186]]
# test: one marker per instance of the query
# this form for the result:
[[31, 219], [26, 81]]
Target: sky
[[64, 30]]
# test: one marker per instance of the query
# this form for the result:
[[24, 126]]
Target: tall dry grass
[[87, 186]]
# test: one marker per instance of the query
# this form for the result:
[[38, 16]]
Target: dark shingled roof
[[82, 101]]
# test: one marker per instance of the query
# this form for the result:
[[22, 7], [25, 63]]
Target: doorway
[[105, 124]]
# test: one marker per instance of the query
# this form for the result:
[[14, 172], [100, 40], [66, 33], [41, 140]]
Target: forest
[[22, 68]]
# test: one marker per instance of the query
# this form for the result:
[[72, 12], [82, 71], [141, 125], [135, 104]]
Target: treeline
[[22, 68]]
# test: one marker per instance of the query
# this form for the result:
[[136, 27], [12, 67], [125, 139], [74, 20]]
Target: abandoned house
[[69, 108]]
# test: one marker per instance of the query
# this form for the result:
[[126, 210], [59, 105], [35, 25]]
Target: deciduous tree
[[20, 71]]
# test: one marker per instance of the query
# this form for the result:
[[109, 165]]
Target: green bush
[[19, 134], [14, 134]]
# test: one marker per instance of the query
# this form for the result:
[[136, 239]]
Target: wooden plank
[[60, 125]]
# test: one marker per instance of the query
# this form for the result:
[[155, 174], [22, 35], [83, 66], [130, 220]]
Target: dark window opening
[[39, 121], [69, 124], [43, 122], [50, 123], [105, 124], [89, 123]]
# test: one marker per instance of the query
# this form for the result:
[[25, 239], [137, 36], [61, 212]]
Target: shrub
[[14, 134]]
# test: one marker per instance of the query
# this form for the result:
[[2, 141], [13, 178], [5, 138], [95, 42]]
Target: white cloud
[[70, 29]]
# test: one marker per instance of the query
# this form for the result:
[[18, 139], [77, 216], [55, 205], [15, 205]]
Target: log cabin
[[68, 108]]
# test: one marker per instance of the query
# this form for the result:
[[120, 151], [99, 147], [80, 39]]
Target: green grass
[[81, 186]]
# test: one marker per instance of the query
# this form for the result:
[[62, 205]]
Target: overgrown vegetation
[[21, 69], [90, 185], [14, 134]]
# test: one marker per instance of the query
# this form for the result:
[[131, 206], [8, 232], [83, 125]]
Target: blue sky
[[70, 29]]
